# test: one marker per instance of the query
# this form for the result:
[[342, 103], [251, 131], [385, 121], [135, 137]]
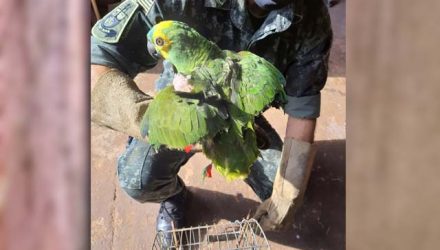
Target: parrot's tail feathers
[[236, 176]]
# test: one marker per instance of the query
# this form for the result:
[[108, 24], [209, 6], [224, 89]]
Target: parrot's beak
[[152, 50]]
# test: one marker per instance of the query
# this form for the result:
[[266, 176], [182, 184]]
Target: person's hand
[[273, 212], [181, 83], [276, 213]]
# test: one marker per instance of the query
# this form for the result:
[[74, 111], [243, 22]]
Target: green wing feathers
[[261, 83], [177, 121]]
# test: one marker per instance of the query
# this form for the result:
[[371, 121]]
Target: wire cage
[[238, 235]]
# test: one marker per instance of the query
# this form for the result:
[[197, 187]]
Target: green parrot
[[243, 82]]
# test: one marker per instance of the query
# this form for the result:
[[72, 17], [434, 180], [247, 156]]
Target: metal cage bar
[[238, 235]]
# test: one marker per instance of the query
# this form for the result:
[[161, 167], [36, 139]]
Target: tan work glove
[[276, 213], [117, 103]]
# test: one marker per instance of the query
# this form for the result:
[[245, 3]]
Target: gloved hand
[[276, 213], [117, 103]]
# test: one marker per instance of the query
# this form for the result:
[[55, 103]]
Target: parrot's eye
[[159, 41]]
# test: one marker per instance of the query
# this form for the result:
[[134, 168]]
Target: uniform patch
[[110, 28]]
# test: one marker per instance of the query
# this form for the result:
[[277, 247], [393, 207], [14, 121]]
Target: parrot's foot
[[171, 216]]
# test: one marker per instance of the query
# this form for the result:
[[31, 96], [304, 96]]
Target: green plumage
[[248, 83], [261, 84], [178, 121], [240, 150]]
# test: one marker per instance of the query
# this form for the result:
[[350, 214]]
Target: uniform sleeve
[[129, 54], [307, 73]]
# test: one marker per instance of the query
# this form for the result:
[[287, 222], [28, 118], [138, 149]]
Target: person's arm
[[292, 175], [302, 129], [116, 101], [306, 77]]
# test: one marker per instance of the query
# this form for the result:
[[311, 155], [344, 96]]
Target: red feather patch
[[209, 171], [188, 149]]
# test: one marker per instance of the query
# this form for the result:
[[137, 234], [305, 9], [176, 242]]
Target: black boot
[[171, 215]]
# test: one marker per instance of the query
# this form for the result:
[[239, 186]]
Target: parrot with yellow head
[[228, 91]]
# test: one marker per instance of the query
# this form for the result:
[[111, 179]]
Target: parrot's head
[[180, 44]]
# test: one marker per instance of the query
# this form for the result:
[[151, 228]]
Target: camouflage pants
[[151, 175]]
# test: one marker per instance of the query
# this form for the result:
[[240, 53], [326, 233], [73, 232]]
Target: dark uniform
[[296, 39]]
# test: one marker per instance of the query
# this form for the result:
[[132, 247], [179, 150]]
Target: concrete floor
[[118, 222]]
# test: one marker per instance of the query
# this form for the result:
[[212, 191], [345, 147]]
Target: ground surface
[[118, 222]]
